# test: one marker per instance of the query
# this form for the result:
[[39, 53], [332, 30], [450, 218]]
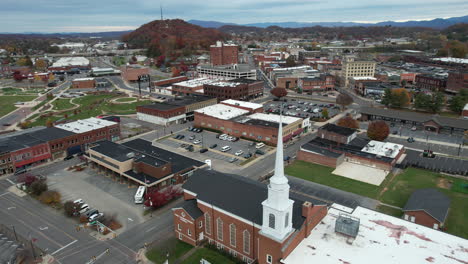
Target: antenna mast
[[160, 7]]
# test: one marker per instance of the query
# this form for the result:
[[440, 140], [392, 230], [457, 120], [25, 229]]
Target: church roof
[[238, 195]]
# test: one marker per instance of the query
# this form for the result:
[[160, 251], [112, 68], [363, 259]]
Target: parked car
[[248, 155], [286, 158], [203, 150], [84, 208], [410, 140], [213, 146], [414, 128], [197, 141], [259, 145], [181, 136], [68, 157], [95, 217], [232, 160], [192, 137], [78, 202], [190, 128], [239, 152], [230, 138], [395, 132], [259, 152], [225, 148], [251, 144], [91, 212], [183, 145]]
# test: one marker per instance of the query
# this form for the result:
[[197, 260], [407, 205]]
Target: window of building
[[246, 242], [232, 235], [178, 227], [180, 236], [189, 232], [269, 258], [271, 221], [200, 224], [286, 220], [219, 229], [207, 223]]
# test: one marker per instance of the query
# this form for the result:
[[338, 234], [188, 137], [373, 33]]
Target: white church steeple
[[277, 208]]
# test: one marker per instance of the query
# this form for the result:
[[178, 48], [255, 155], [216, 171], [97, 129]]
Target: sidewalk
[[429, 141]]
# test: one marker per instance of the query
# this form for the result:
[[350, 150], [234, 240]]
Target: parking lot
[[438, 163], [208, 140], [302, 108], [99, 192]]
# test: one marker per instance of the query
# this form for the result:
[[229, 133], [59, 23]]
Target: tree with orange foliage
[[396, 97], [175, 72], [378, 130], [348, 122]]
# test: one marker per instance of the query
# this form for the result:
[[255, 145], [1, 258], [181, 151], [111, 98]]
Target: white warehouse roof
[[381, 239], [274, 118], [86, 125], [195, 82], [242, 104], [383, 149], [221, 111], [71, 61]]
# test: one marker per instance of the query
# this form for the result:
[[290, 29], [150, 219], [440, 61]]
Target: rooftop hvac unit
[[130, 154], [347, 225]]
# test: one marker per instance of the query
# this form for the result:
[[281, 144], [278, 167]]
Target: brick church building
[[250, 220]]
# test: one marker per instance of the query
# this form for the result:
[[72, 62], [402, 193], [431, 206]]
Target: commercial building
[[434, 123], [323, 82], [262, 224], [372, 87], [176, 111], [287, 78], [130, 73], [431, 82], [68, 63], [224, 54], [140, 163], [362, 152], [96, 72], [189, 87], [83, 83], [36, 146], [428, 207], [243, 89], [227, 72], [352, 68], [251, 107], [336, 133], [457, 81], [235, 121]]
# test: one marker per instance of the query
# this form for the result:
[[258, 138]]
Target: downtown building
[[224, 54], [353, 68], [238, 89]]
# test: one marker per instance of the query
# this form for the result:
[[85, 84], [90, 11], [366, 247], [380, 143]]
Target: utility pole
[[160, 7], [14, 232]]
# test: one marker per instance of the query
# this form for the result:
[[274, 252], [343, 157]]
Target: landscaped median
[[395, 190]]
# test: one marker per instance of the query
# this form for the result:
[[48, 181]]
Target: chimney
[[306, 209]]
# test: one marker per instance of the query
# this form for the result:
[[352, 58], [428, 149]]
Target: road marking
[[150, 229], [4, 194], [9, 208], [43, 228], [67, 245], [10, 181]]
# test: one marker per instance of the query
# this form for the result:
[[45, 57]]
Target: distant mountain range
[[110, 34], [438, 23]]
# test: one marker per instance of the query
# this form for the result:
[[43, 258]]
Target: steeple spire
[[278, 177]]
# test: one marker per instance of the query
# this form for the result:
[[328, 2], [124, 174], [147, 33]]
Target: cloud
[[78, 15]]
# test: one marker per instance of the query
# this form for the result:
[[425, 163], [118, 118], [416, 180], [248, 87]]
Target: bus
[[139, 195]]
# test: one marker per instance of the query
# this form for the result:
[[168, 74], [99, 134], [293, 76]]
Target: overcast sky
[[114, 15]]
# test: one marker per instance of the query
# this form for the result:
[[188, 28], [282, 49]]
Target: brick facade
[[422, 218], [457, 81], [242, 91], [432, 83], [222, 54], [131, 73], [88, 83], [317, 159]]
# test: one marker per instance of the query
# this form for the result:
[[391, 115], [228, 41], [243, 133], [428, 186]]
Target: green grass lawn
[[11, 91], [7, 103], [91, 106], [176, 249], [398, 190], [62, 104], [126, 99], [323, 175], [210, 255]]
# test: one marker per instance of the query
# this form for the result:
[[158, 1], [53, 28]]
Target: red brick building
[[223, 54], [84, 83], [336, 133], [130, 73], [465, 112], [457, 81], [324, 82], [428, 207], [189, 87], [263, 224], [239, 89], [431, 82], [166, 82]]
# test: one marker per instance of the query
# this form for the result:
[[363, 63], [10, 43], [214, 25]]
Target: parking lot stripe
[[10, 181], [67, 245], [4, 194]]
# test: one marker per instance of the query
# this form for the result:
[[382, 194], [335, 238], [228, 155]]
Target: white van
[[225, 148], [259, 145]]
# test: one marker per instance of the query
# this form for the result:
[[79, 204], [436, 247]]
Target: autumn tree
[[279, 92], [325, 113], [27, 178], [378, 130], [344, 100], [400, 98], [290, 62], [25, 61], [40, 64], [50, 197], [38, 187], [49, 123], [175, 72], [348, 122], [70, 208]]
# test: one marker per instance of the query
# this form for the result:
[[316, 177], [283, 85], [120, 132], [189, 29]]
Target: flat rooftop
[[83, 79], [274, 118], [86, 125], [381, 239], [195, 82], [369, 78], [71, 61], [177, 102], [242, 104], [222, 111], [383, 149]]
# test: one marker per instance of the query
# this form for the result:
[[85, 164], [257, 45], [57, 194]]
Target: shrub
[[69, 208], [378, 130], [50, 197], [27, 179], [38, 187]]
